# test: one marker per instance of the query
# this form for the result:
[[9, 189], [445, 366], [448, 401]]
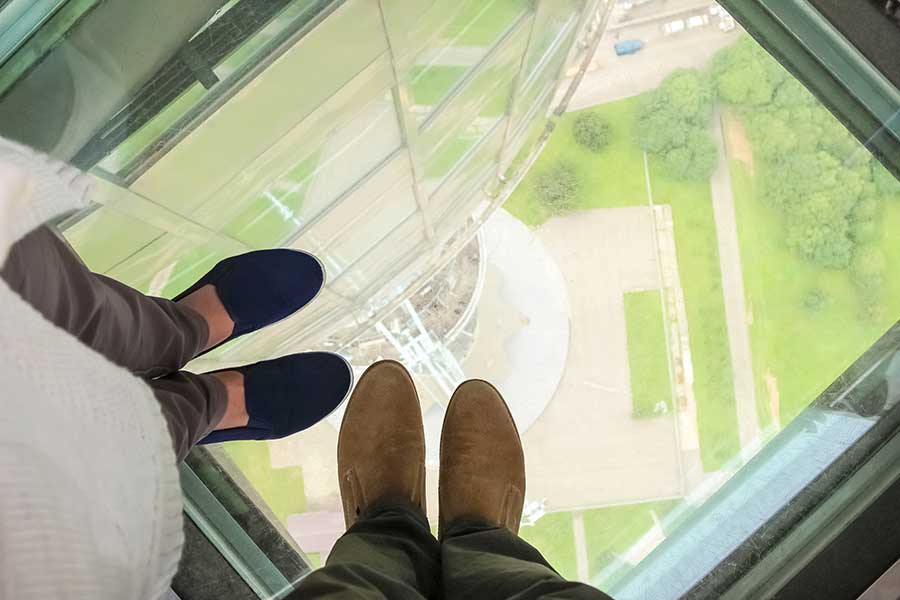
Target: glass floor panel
[[698, 251]]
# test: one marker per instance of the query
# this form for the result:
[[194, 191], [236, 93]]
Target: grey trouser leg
[[480, 560], [391, 554], [150, 337]]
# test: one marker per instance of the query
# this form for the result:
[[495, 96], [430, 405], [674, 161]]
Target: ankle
[[236, 408], [207, 304]]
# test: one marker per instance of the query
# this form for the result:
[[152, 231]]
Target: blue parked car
[[628, 47]]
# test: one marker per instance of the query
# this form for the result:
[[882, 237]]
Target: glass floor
[[696, 283], [699, 250]]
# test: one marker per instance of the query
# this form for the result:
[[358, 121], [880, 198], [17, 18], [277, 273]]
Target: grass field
[[614, 177], [282, 489], [554, 537], [701, 281], [648, 360], [609, 532], [610, 178], [801, 350], [612, 531]]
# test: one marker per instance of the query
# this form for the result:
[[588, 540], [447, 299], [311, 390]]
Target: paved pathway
[[733, 289], [581, 553], [586, 449]]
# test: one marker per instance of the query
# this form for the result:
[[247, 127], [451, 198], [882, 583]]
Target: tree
[[695, 160], [817, 196], [885, 182], [772, 137], [791, 94], [591, 131], [557, 187], [814, 300], [660, 131], [742, 75], [688, 93], [785, 181], [864, 231], [672, 122]]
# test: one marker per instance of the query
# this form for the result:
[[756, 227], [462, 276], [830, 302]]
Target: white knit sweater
[[90, 506]]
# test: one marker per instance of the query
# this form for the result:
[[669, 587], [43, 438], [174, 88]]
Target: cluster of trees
[[673, 124], [810, 168]]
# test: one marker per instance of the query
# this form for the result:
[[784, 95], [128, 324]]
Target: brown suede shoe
[[381, 447], [482, 472]]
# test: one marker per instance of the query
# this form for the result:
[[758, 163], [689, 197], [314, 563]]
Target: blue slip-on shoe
[[288, 394], [262, 287]]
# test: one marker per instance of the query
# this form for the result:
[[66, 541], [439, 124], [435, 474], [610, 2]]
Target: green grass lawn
[[701, 281], [315, 559], [612, 531], [282, 489], [648, 359], [554, 537], [804, 350], [612, 177]]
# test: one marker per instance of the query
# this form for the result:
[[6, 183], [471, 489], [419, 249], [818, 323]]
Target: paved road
[[733, 289], [615, 77]]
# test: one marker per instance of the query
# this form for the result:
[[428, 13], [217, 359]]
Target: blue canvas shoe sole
[[289, 394], [262, 287]]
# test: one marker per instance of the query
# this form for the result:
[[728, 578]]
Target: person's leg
[[388, 551], [193, 406], [481, 493], [481, 560], [146, 335]]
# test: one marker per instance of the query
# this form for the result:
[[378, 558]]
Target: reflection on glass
[[216, 158], [471, 114], [474, 29], [290, 201], [552, 22]]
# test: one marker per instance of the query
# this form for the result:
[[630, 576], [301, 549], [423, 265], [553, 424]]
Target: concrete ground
[[736, 310], [586, 449], [616, 77], [523, 320]]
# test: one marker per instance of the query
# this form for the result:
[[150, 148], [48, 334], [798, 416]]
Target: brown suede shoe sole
[[381, 446], [482, 474]]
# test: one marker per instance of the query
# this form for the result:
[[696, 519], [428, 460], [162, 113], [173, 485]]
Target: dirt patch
[[774, 398], [736, 142]]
